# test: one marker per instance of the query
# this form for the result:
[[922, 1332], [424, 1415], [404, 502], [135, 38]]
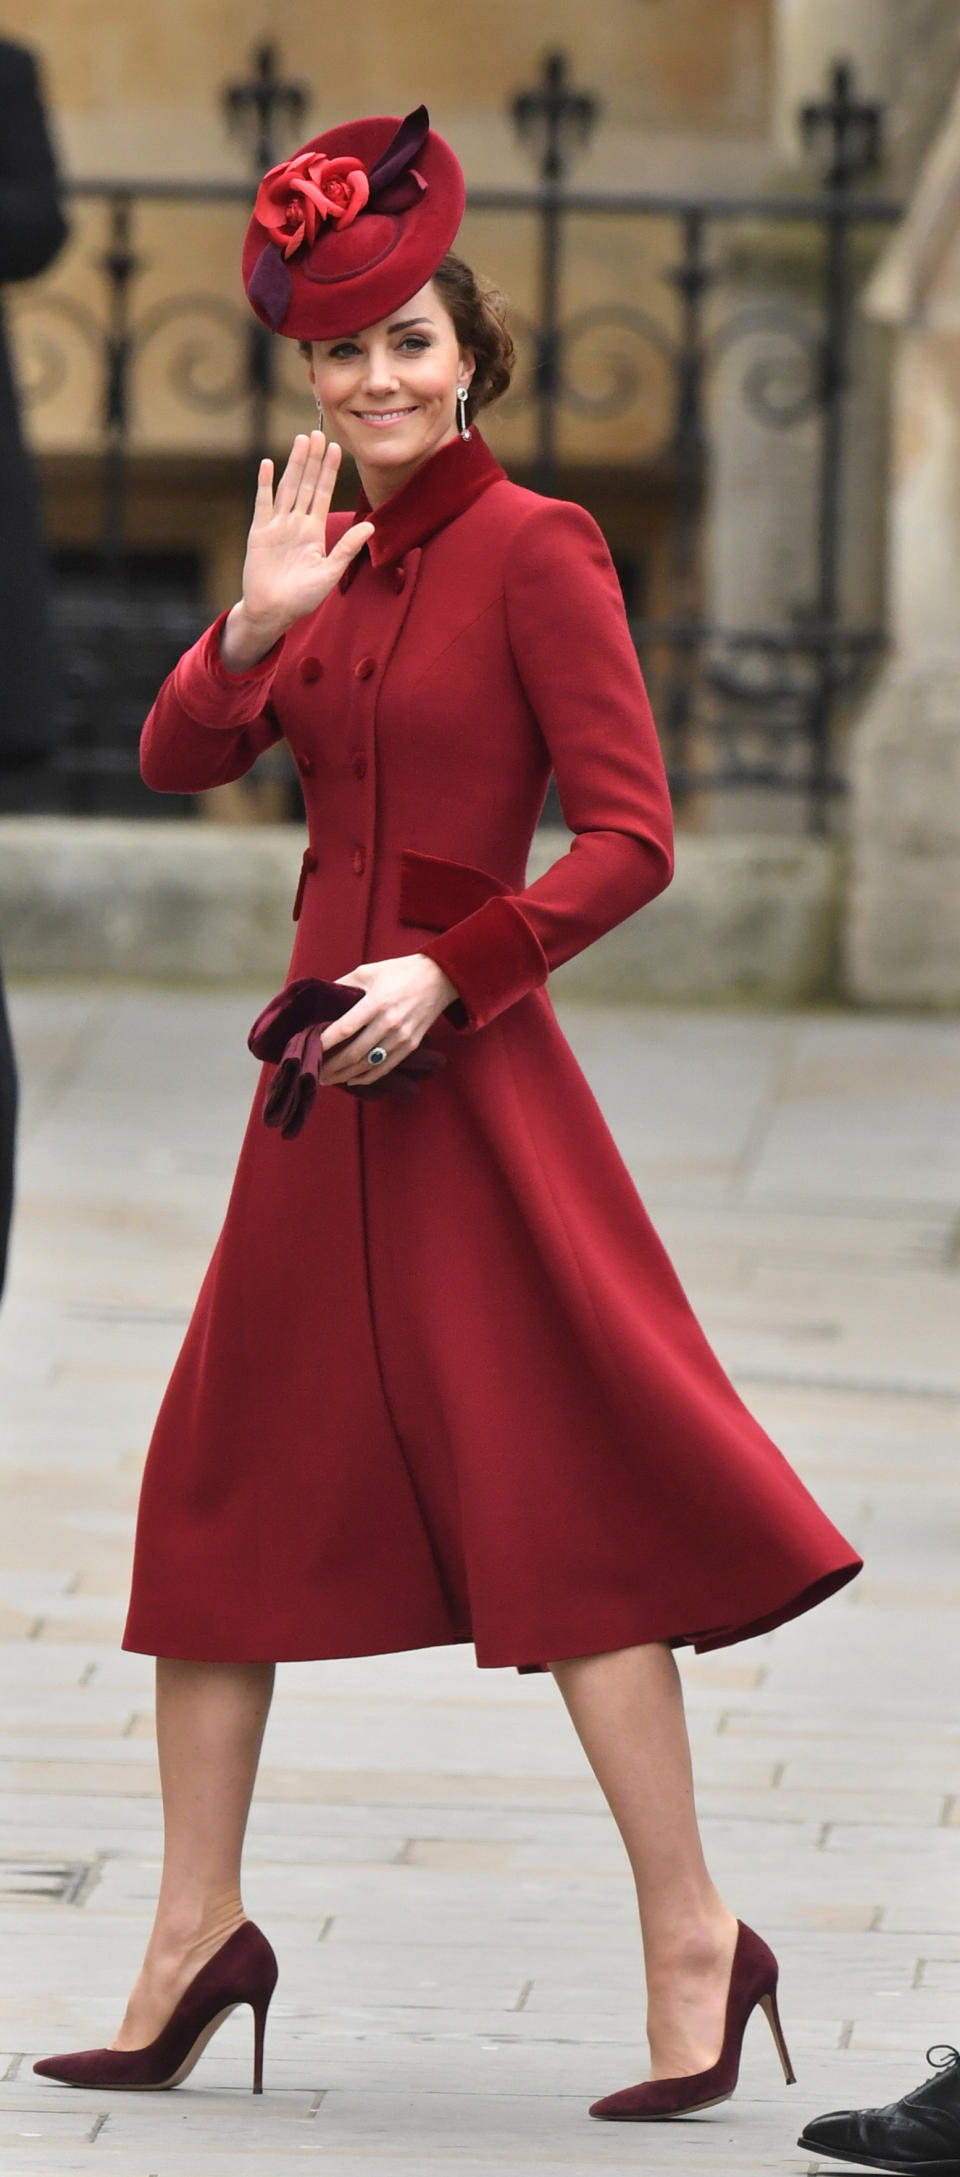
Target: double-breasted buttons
[[310, 669], [305, 766], [359, 765], [365, 667], [359, 861], [399, 577]]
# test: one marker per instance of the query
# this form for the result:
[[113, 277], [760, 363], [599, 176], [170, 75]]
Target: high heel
[[753, 1981], [244, 1970]]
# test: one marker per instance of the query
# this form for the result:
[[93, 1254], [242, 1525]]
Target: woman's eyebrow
[[399, 325]]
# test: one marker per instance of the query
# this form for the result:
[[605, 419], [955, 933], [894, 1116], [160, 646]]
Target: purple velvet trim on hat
[[401, 150], [270, 286], [402, 195]]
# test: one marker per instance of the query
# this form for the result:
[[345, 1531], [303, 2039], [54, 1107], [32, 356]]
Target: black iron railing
[[738, 706]]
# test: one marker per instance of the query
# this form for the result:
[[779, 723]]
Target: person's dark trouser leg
[[8, 1123]]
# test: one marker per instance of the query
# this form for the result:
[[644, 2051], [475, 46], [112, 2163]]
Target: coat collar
[[443, 487]]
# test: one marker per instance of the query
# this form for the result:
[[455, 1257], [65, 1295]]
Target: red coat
[[441, 1382]]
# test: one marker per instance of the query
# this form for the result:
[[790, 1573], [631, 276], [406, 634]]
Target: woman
[[441, 1383]]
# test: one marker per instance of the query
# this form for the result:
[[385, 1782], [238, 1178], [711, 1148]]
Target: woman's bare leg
[[210, 1724], [627, 1709]]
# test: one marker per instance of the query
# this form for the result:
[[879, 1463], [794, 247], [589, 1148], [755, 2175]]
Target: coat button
[[310, 669], [360, 765], [365, 668], [399, 577], [305, 766], [359, 860]]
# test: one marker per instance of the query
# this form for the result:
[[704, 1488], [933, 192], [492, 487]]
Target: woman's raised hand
[[288, 570]]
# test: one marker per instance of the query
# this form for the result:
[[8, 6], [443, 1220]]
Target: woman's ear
[[467, 366]]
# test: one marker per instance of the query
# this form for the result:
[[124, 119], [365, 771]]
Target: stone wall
[[747, 919], [903, 929], [137, 89]]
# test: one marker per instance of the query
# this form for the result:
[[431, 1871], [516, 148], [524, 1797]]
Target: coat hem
[[180, 1649], [707, 1638], [559, 1648]]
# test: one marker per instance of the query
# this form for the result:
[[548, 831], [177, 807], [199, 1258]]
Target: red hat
[[351, 226]]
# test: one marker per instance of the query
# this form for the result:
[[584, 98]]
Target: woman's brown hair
[[479, 315]]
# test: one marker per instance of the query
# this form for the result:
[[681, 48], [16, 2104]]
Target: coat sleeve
[[573, 651], [208, 726], [32, 226]]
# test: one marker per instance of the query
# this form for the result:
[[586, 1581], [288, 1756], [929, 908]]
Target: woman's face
[[389, 392]]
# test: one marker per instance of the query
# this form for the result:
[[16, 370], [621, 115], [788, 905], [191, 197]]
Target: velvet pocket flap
[[435, 893]]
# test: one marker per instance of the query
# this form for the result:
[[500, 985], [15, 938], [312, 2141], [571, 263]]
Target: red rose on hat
[[351, 226], [294, 198]]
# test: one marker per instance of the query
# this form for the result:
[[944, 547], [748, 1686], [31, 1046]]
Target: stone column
[[903, 935]]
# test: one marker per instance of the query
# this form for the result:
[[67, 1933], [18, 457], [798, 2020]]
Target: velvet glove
[[287, 1034]]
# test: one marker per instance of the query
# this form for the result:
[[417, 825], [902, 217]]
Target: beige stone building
[[685, 93]]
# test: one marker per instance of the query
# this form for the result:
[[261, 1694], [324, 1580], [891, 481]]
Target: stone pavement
[[460, 1971]]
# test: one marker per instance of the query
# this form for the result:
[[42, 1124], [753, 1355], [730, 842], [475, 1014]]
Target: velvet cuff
[[492, 957], [212, 696]]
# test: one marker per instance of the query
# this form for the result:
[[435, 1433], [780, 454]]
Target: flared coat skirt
[[442, 1384]]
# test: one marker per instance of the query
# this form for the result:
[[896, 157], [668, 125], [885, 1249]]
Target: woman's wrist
[[244, 641], [446, 990]]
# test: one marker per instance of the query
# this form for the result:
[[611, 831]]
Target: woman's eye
[[415, 341], [340, 353]]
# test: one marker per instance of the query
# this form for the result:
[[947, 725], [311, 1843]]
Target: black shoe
[[920, 2133]]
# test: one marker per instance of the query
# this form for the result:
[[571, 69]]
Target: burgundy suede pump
[[753, 1981], [244, 1970]]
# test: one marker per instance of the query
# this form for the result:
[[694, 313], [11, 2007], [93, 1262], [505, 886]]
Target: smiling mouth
[[383, 415]]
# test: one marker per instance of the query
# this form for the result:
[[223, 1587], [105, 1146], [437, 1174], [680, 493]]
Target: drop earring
[[319, 417], [462, 423]]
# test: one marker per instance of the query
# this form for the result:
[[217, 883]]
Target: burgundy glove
[[287, 1034]]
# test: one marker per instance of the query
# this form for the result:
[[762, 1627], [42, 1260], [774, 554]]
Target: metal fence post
[[254, 110], [553, 118], [850, 133]]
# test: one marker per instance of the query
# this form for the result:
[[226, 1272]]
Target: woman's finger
[[310, 475], [347, 1059], [360, 1016], [263, 503], [348, 547], [289, 483], [359, 1070], [326, 481]]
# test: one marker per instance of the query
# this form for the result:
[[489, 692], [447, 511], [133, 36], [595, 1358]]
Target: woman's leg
[[627, 1709], [210, 1724]]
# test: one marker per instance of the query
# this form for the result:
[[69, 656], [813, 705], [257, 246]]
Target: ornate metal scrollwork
[[44, 359], [229, 389], [626, 372], [797, 375]]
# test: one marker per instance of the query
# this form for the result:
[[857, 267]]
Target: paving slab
[[460, 1970]]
